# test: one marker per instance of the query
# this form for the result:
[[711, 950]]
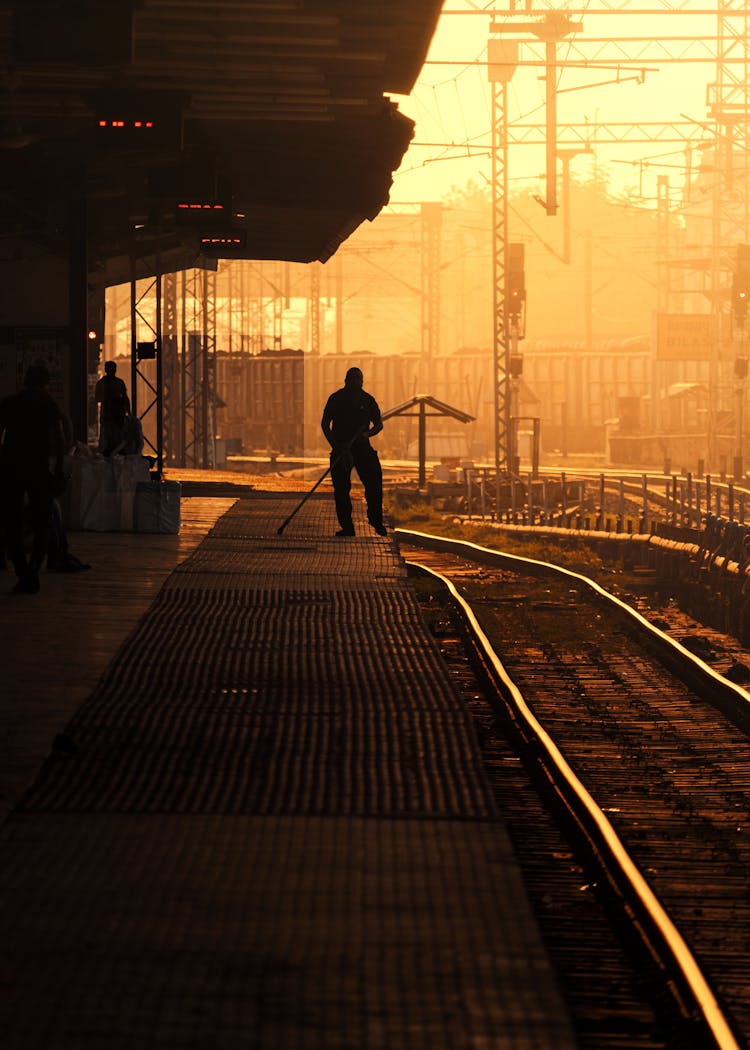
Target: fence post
[[730, 499], [467, 475], [708, 493], [563, 501], [644, 492], [690, 498]]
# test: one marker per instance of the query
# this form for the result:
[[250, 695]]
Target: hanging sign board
[[684, 337]]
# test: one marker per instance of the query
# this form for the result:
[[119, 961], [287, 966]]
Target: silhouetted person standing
[[32, 437], [351, 417], [108, 389]]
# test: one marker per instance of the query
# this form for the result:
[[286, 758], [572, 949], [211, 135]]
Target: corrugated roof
[[278, 108]]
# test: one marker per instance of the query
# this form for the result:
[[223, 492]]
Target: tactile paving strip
[[284, 704], [316, 520], [229, 560], [269, 933], [274, 699]]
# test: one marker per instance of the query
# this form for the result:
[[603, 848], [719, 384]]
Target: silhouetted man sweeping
[[351, 417]]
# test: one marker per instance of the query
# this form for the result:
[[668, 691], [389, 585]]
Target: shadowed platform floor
[[275, 830]]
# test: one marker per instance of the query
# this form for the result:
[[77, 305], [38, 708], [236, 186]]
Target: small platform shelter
[[422, 406]]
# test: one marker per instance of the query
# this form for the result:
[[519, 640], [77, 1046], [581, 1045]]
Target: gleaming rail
[[693, 811]]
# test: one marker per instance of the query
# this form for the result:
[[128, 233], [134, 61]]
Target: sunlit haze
[[451, 102]]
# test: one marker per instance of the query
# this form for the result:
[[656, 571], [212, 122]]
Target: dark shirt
[[350, 412], [30, 423], [107, 389]]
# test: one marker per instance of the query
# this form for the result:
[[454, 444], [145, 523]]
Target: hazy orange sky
[[451, 103]]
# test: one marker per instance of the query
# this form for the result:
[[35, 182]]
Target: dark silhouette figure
[[32, 436], [351, 417], [59, 556], [108, 389], [121, 433]]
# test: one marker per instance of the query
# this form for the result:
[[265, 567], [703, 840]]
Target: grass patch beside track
[[422, 517]]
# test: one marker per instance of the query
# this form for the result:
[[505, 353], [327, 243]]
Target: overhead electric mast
[[538, 27]]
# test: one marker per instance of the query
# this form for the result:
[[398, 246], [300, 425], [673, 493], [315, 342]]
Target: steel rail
[[731, 699], [622, 871]]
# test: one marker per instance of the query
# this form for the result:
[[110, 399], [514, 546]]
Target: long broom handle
[[322, 478]]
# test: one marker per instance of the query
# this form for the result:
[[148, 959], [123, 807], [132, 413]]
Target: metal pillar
[[315, 308], [729, 108], [422, 479], [256, 313], [550, 77], [432, 217], [171, 403], [339, 271], [158, 393], [208, 371], [278, 307], [662, 243], [193, 371], [502, 60], [141, 381], [133, 338], [78, 315], [182, 453]]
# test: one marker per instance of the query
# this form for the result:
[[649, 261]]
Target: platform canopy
[[258, 129]]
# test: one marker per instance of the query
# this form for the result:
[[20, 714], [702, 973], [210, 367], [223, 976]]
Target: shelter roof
[[439, 408]]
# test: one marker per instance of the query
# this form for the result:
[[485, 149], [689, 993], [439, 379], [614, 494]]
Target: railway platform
[[264, 821]]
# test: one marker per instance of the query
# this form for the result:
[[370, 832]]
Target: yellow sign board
[[684, 337]]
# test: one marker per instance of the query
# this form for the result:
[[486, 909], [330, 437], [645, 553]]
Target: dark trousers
[[365, 461], [15, 486]]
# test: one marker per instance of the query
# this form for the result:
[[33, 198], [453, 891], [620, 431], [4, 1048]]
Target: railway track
[[646, 751]]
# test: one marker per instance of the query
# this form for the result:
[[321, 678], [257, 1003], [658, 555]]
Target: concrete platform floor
[[54, 645], [277, 833]]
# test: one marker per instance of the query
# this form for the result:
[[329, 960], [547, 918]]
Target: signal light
[[223, 244], [515, 282], [740, 293], [93, 335], [198, 206], [132, 119], [515, 366], [232, 241], [741, 284], [116, 122]]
